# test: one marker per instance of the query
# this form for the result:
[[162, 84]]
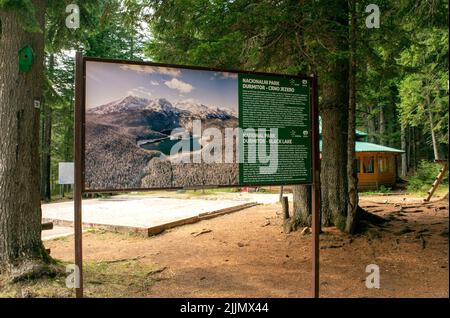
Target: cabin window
[[368, 166], [358, 165]]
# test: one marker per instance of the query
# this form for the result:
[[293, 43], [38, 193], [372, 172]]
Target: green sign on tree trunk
[[26, 57]]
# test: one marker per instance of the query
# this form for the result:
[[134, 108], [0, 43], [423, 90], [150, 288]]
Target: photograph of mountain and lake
[[132, 112]]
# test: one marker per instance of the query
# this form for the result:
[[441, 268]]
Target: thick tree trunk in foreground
[[302, 205], [433, 135], [21, 249], [334, 112], [352, 208], [334, 157]]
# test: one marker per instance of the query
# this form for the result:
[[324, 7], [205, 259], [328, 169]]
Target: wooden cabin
[[376, 164]]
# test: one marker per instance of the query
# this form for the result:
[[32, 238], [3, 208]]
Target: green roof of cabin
[[361, 143], [362, 146]]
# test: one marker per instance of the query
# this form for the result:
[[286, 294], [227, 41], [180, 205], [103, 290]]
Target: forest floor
[[246, 254]]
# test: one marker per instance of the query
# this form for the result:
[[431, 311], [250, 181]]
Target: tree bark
[[334, 161], [46, 139], [371, 127], [408, 147], [433, 135], [414, 150], [382, 126], [404, 169], [302, 205], [334, 155], [334, 112], [352, 208], [21, 248]]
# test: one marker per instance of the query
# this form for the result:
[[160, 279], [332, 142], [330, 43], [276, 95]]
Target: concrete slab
[[143, 214], [261, 198], [258, 197], [57, 232]]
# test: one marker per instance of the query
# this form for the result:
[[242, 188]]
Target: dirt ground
[[246, 254]]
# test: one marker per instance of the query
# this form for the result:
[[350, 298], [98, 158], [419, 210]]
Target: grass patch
[[116, 278], [424, 177], [440, 191], [128, 278]]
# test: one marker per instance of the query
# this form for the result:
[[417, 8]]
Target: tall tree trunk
[[391, 120], [404, 169], [46, 128], [302, 205], [46, 138], [352, 217], [21, 248], [433, 134], [382, 126], [334, 112], [408, 148], [371, 126], [414, 150]]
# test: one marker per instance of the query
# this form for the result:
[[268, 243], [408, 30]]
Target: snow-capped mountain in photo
[[162, 105], [203, 111], [122, 105]]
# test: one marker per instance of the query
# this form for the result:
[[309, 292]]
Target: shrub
[[423, 179], [384, 189]]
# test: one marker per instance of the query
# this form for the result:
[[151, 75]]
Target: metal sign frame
[[79, 144]]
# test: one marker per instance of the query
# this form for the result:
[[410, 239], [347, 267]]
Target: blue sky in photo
[[107, 82]]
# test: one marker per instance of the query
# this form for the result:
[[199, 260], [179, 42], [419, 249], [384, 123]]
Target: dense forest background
[[401, 67], [390, 81]]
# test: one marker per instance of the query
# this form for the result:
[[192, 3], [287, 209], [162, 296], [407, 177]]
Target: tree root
[[366, 221], [292, 224], [32, 269]]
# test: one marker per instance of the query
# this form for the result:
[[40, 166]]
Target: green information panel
[[275, 139]]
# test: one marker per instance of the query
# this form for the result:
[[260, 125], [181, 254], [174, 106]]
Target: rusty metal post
[[315, 209], [79, 73]]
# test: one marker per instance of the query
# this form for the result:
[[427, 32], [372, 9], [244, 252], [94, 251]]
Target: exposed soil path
[[246, 254]]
